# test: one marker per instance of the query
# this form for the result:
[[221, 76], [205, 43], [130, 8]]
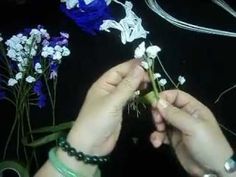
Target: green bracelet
[[60, 167]]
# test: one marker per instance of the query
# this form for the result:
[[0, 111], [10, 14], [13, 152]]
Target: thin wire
[[154, 6], [225, 6]]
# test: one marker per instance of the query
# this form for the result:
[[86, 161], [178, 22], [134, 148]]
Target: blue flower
[[38, 90], [2, 94], [38, 87], [53, 70], [61, 40], [42, 101], [89, 17]]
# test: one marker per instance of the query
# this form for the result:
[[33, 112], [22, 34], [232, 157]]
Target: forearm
[[79, 167], [86, 170]]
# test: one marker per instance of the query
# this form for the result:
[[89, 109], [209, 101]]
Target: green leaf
[[20, 170], [43, 140], [55, 128]]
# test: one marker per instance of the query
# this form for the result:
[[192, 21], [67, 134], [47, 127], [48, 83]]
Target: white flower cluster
[[23, 49], [56, 53], [146, 54], [130, 26]]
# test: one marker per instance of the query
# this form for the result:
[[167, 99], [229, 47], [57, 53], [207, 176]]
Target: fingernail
[[162, 103], [156, 143]]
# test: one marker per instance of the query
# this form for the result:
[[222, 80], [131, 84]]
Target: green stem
[[23, 135], [30, 130], [150, 73], [6, 60], [10, 100], [18, 137], [10, 136], [51, 99]]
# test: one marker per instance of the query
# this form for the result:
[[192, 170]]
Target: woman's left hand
[[98, 125]]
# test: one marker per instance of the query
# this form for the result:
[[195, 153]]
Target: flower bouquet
[[29, 67]]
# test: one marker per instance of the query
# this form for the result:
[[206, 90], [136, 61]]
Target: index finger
[[184, 101], [111, 79]]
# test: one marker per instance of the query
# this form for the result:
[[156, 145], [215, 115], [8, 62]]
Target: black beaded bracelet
[[65, 146]]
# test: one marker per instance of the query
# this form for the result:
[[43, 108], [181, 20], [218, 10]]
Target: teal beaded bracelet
[[60, 167], [95, 160]]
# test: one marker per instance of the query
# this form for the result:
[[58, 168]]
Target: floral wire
[[224, 92], [55, 96], [228, 130], [50, 98], [166, 73], [23, 134], [4, 68], [9, 137], [5, 59], [18, 138], [27, 107]]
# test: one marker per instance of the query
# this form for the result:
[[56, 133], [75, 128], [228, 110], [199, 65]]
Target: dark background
[[207, 62]]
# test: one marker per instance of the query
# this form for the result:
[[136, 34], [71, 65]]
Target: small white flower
[[44, 33], [162, 82], [18, 47], [152, 51], [20, 35], [65, 35], [20, 67], [38, 68], [44, 54], [12, 82], [23, 39], [145, 65], [140, 50], [24, 62], [15, 39], [66, 51], [30, 79], [11, 53], [57, 56], [1, 39], [33, 52], [29, 41], [156, 76], [137, 93], [71, 3], [19, 76], [181, 80], [47, 51], [58, 48]]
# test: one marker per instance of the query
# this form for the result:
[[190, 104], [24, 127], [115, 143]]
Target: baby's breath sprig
[[148, 57]]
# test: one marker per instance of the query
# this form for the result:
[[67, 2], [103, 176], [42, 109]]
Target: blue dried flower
[[42, 101], [89, 17], [38, 90]]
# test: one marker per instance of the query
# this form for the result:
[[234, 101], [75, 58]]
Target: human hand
[[193, 132], [98, 125]]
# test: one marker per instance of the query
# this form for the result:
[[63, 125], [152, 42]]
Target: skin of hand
[[193, 132], [98, 125]]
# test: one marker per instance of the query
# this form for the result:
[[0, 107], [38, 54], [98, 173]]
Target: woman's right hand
[[193, 132]]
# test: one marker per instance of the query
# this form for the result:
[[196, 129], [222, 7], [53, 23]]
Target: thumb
[[175, 116], [129, 84]]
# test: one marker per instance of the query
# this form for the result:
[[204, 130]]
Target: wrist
[[87, 170]]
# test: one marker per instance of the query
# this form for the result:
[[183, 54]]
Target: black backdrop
[[206, 61]]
